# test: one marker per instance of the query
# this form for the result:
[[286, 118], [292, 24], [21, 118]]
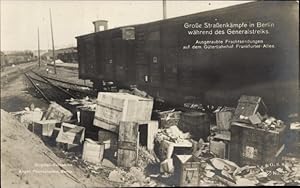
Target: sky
[[21, 19]]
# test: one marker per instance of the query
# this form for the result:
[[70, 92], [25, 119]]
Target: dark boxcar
[[108, 56], [87, 57], [156, 61]]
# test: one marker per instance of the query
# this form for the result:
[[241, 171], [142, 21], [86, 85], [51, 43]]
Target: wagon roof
[[234, 8]]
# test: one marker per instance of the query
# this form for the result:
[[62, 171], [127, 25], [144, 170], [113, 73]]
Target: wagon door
[[118, 58], [87, 58], [142, 69], [128, 144], [153, 56]]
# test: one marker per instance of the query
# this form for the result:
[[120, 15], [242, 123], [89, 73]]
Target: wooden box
[[45, 127], [147, 131], [255, 146], [128, 143], [92, 151], [169, 149], [197, 123], [249, 105], [223, 120], [30, 117], [115, 107], [220, 145], [56, 111], [70, 134], [188, 170]]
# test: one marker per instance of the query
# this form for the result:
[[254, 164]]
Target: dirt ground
[[25, 160]]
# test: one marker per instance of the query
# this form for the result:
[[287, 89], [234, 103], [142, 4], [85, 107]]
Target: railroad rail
[[62, 81], [51, 91]]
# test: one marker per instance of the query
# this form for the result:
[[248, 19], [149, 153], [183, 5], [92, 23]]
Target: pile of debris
[[85, 103], [127, 145], [172, 134]]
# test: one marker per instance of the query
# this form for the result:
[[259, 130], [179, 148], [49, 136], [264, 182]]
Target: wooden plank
[[223, 120], [127, 144], [152, 131]]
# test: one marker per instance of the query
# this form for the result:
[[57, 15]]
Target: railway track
[[50, 90], [62, 81]]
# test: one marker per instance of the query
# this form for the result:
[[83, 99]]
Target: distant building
[[67, 55], [19, 57]]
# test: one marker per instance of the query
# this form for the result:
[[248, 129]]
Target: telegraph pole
[[52, 42], [164, 9], [39, 55]]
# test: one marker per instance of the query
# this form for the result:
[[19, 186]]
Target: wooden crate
[[147, 131], [28, 118], [197, 123], [249, 105], [188, 170], [115, 107], [70, 134], [255, 146], [92, 151], [45, 127], [223, 120], [167, 149], [128, 143], [56, 111], [220, 144], [293, 140]]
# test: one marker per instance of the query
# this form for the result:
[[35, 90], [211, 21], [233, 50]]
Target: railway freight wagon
[[210, 57]]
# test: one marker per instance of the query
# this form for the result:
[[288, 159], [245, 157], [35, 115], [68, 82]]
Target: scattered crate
[[128, 143], [70, 134], [29, 117], [188, 170], [220, 145], [253, 146], [223, 119], [92, 151], [45, 127], [115, 107], [147, 131], [249, 105], [168, 149], [56, 111]]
